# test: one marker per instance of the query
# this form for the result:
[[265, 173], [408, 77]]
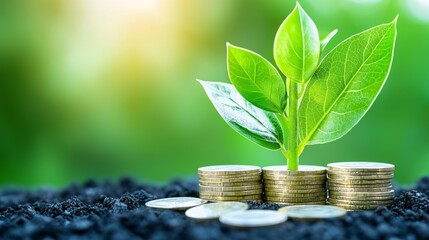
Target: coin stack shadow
[[360, 185], [305, 186], [230, 183]]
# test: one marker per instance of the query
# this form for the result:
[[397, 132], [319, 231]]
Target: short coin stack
[[305, 186], [230, 183], [360, 185]]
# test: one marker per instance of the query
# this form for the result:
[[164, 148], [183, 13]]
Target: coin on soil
[[175, 203], [225, 170], [214, 210], [361, 166], [302, 170], [253, 218], [313, 212]]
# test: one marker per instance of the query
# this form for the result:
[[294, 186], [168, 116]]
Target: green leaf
[[327, 39], [253, 123], [346, 84], [297, 46], [256, 79]]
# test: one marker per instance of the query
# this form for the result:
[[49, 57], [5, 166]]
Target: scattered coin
[[175, 203], [313, 212], [253, 218], [214, 210]]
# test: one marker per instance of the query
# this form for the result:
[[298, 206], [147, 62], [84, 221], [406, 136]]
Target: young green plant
[[318, 101]]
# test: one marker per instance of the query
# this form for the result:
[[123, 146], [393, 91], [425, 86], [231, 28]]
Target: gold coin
[[313, 212], [302, 170], [230, 189], [231, 184], [225, 170], [301, 203], [237, 193], [359, 182], [294, 178], [291, 183], [358, 173], [363, 194], [175, 203], [356, 207], [360, 198], [361, 202], [214, 210], [295, 195], [286, 190], [361, 166], [295, 199], [247, 175], [294, 187], [353, 190], [361, 177], [232, 198], [240, 179]]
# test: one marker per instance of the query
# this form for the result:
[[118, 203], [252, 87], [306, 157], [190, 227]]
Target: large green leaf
[[346, 84], [297, 46], [256, 79], [253, 123]]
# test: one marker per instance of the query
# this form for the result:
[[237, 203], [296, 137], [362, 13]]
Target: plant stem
[[293, 160]]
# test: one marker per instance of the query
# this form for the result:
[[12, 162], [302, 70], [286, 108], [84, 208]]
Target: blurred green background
[[106, 88]]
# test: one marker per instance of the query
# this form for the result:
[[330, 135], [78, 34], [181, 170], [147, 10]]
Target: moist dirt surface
[[116, 210]]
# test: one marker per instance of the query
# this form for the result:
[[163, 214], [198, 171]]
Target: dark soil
[[115, 210]]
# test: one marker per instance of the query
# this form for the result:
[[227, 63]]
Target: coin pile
[[230, 183], [360, 185], [305, 186]]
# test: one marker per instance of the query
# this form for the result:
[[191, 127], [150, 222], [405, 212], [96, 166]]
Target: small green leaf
[[256, 79], [297, 46], [346, 84], [253, 123], [327, 39]]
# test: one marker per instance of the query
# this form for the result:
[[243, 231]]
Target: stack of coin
[[360, 185], [305, 186], [230, 183]]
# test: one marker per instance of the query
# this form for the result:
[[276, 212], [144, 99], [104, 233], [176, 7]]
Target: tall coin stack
[[360, 185], [307, 185], [230, 183]]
